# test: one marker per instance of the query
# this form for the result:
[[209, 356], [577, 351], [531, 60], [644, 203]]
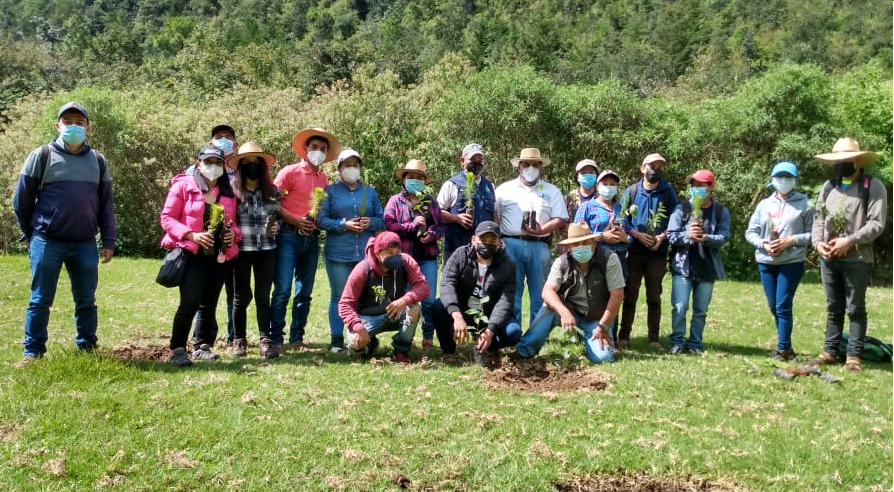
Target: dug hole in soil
[[640, 481], [537, 375]]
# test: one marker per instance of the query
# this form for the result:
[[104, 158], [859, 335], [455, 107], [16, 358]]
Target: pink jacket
[[184, 212]]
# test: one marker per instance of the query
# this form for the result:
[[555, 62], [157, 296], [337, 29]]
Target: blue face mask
[[587, 180], [697, 193], [608, 191], [414, 185], [224, 144], [392, 262], [73, 134], [582, 254]]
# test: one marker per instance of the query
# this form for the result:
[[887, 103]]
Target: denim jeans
[[200, 291], [681, 288], [652, 269], [543, 324], [430, 271], [504, 336], [845, 285], [532, 262], [47, 257], [263, 264], [402, 340], [296, 260], [780, 283], [338, 272]]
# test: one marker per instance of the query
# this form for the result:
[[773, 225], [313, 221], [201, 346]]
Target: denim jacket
[[342, 204], [716, 235]]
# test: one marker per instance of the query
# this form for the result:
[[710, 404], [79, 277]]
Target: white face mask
[[316, 157], [350, 174], [530, 174], [607, 191], [784, 185], [211, 171]]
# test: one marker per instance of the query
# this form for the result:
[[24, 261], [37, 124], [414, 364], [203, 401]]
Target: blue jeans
[[430, 271], [546, 319], [296, 259], [681, 288], [402, 340], [844, 283], [780, 283], [338, 272], [532, 261], [504, 336], [47, 257]]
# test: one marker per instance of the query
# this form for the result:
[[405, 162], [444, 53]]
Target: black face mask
[[251, 170], [844, 169], [486, 251], [474, 168], [653, 176]]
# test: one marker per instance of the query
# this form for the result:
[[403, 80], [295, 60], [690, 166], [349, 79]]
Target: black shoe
[[337, 344]]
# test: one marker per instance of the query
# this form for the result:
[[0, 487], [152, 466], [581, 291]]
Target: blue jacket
[[645, 201], [716, 235], [342, 204], [76, 199]]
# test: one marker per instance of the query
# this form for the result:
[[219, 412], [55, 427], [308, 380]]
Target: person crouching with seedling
[[477, 296], [696, 231], [376, 299], [583, 294]]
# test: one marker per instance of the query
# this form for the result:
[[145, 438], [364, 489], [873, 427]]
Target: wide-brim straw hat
[[579, 232], [251, 149], [299, 143], [848, 150], [416, 166], [530, 154]]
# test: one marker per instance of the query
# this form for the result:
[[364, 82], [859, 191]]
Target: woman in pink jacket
[[186, 212]]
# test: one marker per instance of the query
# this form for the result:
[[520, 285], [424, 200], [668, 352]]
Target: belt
[[290, 227], [543, 239]]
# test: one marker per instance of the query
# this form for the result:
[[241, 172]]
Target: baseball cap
[[606, 173], [72, 106], [702, 176], [584, 163], [487, 227], [347, 153], [656, 157], [784, 167], [224, 128], [471, 150], [211, 151]]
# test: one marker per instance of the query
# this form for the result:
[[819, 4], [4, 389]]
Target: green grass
[[316, 421]]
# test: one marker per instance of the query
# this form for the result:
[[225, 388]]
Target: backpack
[[665, 197], [45, 159], [874, 350]]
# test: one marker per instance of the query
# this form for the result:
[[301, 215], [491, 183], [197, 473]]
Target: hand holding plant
[[656, 217]]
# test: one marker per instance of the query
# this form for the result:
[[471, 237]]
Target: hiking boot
[[179, 358], [337, 344], [852, 364], [401, 358], [240, 345], [268, 350], [676, 350], [783, 355], [280, 349], [824, 359], [656, 345], [297, 346], [695, 351], [28, 359], [86, 348], [623, 345], [204, 352], [428, 344]]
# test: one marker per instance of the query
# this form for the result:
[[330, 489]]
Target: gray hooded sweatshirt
[[792, 216]]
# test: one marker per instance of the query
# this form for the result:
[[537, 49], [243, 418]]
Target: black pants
[[200, 291], [507, 335], [845, 285], [652, 269], [263, 264]]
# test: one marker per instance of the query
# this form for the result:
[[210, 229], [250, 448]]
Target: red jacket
[[184, 212]]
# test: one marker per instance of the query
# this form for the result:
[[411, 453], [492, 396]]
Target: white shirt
[[514, 198], [449, 193]]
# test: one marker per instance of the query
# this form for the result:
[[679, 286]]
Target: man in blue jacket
[[63, 196]]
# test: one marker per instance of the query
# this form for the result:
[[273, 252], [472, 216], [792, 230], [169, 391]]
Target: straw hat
[[299, 143], [530, 154], [252, 149], [848, 150], [579, 232], [414, 165]]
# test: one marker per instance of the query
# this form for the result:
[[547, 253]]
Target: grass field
[[320, 421]]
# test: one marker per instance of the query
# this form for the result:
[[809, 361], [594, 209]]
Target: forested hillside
[[731, 85]]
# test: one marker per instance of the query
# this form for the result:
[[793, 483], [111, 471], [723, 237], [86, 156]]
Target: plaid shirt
[[399, 217], [251, 216], [598, 217]]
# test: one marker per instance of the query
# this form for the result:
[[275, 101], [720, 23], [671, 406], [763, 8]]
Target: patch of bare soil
[[537, 375], [132, 352], [641, 481]]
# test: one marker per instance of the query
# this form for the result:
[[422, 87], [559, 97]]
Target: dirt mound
[[539, 376], [641, 481], [132, 352]]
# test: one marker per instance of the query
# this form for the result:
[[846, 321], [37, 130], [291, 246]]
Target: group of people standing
[[236, 222]]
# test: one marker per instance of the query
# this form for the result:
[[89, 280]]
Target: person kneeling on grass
[[584, 291], [478, 291], [375, 299]]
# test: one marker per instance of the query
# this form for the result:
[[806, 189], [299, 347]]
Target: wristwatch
[[600, 325]]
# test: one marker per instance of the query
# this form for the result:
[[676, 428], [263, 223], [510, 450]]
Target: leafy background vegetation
[[729, 85]]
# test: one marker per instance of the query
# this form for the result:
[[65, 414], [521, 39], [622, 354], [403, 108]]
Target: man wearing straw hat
[[582, 294], [529, 210], [850, 215], [298, 237]]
